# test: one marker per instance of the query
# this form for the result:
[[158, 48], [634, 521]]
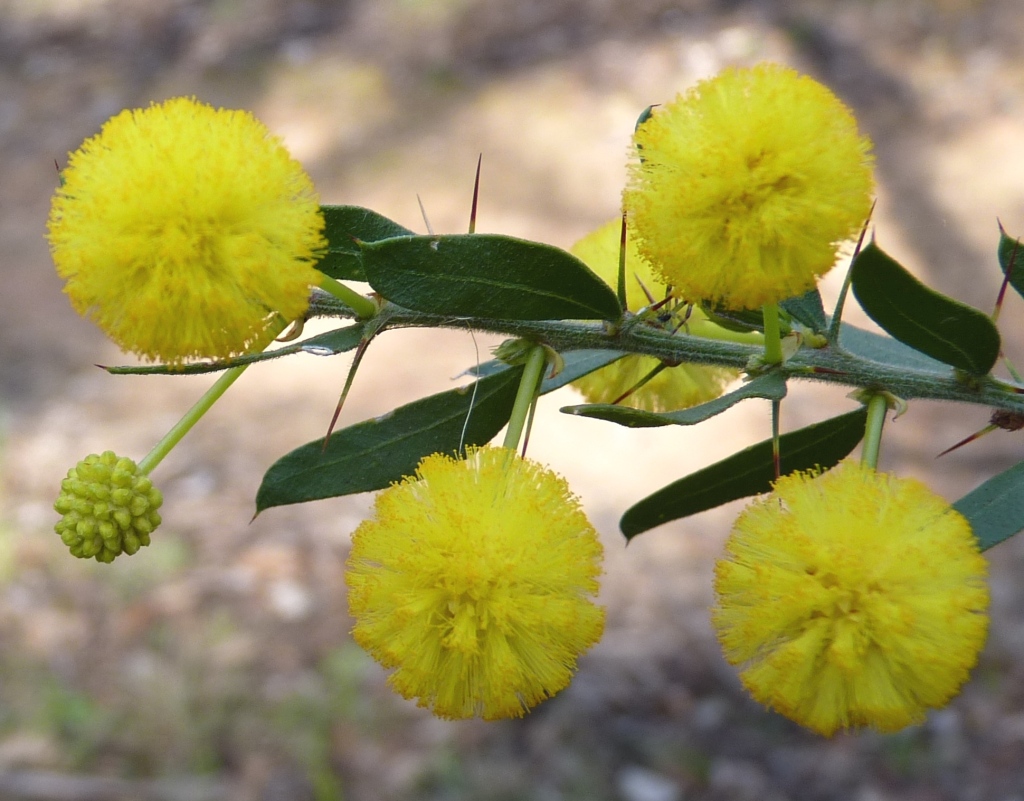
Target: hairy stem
[[831, 364]]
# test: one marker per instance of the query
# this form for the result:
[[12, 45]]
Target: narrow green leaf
[[808, 310], [739, 321], [578, 363], [995, 510], [922, 318], [886, 350], [341, 340], [330, 343], [748, 472], [771, 385], [487, 275], [372, 454], [575, 364], [1011, 252], [342, 226]]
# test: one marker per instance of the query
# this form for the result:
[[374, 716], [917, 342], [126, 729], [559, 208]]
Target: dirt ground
[[217, 663]]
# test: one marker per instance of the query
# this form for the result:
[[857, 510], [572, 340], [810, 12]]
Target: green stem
[[776, 454], [191, 417], [202, 406], [829, 365], [362, 306], [527, 394], [772, 335], [878, 407]]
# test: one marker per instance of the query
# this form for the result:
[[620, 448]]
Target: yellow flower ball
[[674, 387], [474, 581], [742, 189], [852, 598], [183, 230]]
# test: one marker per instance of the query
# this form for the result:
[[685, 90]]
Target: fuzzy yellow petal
[[181, 230], [852, 598], [742, 189], [474, 581]]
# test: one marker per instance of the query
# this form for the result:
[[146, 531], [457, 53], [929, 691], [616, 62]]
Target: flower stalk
[[362, 306], [878, 405], [189, 419], [772, 335], [525, 397]]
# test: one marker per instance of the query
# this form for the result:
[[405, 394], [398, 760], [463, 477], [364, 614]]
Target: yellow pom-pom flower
[[474, 581], [676, 387], [183, 230], [852, 598], [107, 506], [743, 188]]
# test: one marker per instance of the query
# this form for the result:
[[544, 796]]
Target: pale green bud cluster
[[108, 507]]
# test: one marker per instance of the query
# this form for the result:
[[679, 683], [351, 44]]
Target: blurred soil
[[217, 664]]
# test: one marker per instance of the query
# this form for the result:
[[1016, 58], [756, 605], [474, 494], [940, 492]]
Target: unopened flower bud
[[107, 506]]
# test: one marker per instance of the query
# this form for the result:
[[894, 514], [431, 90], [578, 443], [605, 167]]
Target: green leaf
[[740, 321], [575, 364], [922, 318], [886, 350], [1011, 252], [487, 275], [578, 363], [808, 310], [749, 472], [372, 454], [333, 342], [343, 225], [995, 510], [771, 385]]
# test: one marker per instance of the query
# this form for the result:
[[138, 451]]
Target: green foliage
[[486, 275], [372, 454], [807, 310], [344, 228], [575, 364], [940, 327], [996, 508], [771, 386], [749, 472], [538, 293], [886, 350], [340, 340], [1011, 260]]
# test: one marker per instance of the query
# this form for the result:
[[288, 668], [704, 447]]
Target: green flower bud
[[107, 507]]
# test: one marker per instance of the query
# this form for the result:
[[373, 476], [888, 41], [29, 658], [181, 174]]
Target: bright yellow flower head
[[474, 582], [852, 598], [743, 188], [673, 388], [181, 229]]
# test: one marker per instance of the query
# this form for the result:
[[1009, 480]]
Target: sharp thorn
[[423, 211], [620, 284], [476, 195], [864, 228], [967, 440], [356, 360]]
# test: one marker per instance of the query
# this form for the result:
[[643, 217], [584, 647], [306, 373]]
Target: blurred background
[[216, 664]]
